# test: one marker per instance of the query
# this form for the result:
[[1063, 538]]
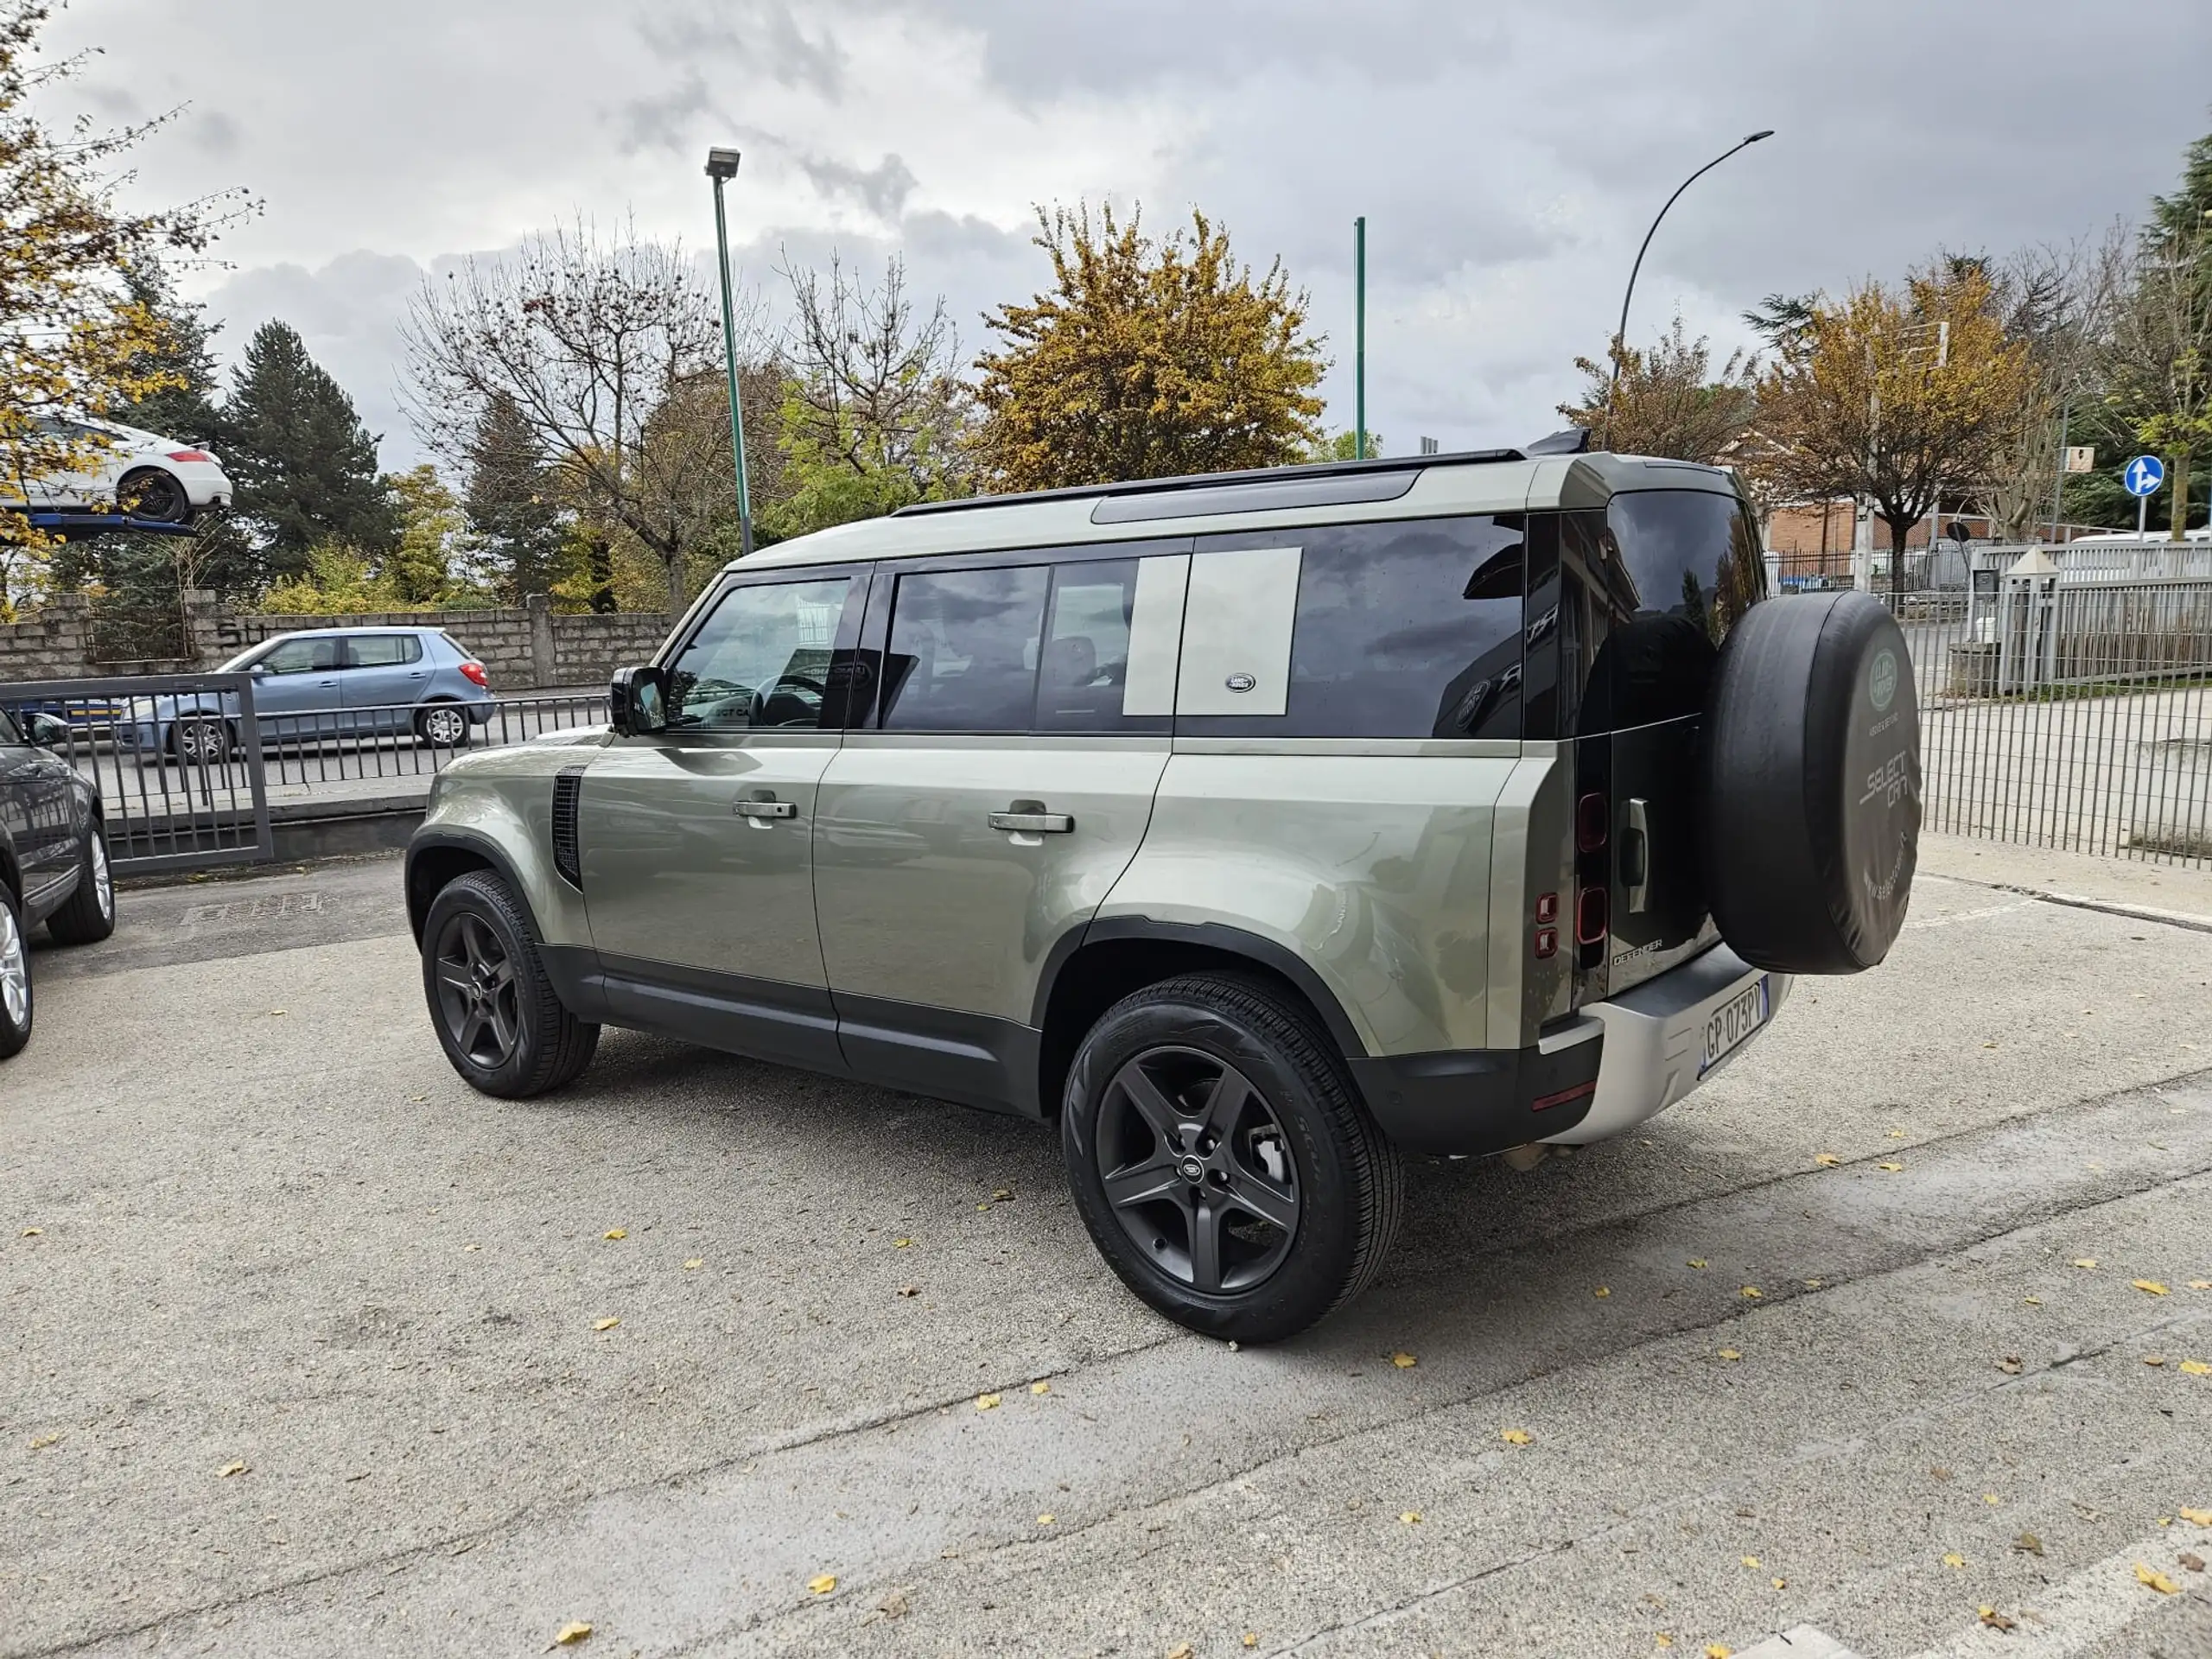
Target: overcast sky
[[1508, 156]]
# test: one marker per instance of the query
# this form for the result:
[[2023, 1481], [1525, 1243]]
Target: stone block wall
[[524, 648]]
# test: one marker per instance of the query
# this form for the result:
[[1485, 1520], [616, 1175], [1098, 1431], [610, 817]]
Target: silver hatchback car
[[1255, 828]]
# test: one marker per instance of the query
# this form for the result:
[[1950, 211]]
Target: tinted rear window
[[1410, 629], [963, 651]]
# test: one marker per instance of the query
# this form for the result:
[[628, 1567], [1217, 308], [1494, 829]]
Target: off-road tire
[[82, 920], [1349, 1180], [551, 1045]]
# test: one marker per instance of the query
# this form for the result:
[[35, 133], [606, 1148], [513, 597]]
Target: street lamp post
[[1359, 336], [721, 168], [1620, 334]]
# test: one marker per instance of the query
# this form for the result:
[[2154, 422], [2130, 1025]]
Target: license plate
[[1733, 1022]]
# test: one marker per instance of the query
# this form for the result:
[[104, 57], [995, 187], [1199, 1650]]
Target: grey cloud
[[754, 37], [214, 133], [666, 118], [882, 189]]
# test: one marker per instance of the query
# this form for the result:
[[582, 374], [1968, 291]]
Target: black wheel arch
[[1092, 967], [435, 857]]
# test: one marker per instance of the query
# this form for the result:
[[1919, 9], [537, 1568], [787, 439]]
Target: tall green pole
[[1359, 336], [721, 166]]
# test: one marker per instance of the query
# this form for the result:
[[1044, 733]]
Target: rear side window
[[1410, 629], [383, 650], [964, 648]]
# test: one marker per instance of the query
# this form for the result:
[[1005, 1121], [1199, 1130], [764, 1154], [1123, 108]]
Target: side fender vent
[[568, 852]]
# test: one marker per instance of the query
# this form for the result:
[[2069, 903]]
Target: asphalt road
[[302, 1351]]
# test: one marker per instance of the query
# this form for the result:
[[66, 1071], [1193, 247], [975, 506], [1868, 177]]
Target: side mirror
[[49, 732], [258, 669], [638, 698]]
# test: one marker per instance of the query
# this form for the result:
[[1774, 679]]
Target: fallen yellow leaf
[[1955, 1560], [571, 1633], [1697, 1261], [1751, 1560], [2148, 1286], [1404, 1361], [1251, 1638], [1047, 1519], [2028, 1544], [2086, 1261], [1892, 1168], [2200, 1284], [982, 1206], [1995, 1620], [2152, 1578], [1664, 1640], [1411, 1517], [605, 1325], [1815, 1284], [823, 1583], [1180, 1651], [616, 1232], [900, 1243], [231, 1469], [1515, 1436], [2032, 1301], [1602, 1291], [1828, 1159], [696, 1262], [1040, 1387], [1989, 1498], [2197, 1517], [2194, 1367], [987, 1402], [1750, 1293], [1897, 1134], [2154, 1359], [1730, 1353], [33, 1232], [1781, 1584], [45, 1440], [1718, 1650]]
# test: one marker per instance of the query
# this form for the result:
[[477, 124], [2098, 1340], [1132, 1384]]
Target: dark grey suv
[[54, 865]]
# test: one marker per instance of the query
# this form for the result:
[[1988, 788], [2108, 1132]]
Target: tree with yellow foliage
[[1147, 357], [74, 339], [1895, 395]]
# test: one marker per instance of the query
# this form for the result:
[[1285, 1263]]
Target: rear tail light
[[1590, 915], [1590, 822], [190, 454], [472, 671]]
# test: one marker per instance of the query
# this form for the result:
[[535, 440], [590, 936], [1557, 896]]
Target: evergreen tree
[[509, 497], [182, 365], [304, 465]]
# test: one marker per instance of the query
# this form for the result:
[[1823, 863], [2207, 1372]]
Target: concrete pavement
[[274, 1231]]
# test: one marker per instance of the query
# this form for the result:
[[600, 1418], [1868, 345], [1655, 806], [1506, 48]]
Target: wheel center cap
[[1191, 1168]]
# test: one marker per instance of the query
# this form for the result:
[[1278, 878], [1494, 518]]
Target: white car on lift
[[142, 474]]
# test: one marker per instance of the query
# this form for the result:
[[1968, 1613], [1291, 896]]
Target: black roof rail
[[1259, 475]]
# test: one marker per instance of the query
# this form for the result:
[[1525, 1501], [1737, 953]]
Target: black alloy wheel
[[493, 1006], [477, 992], [155, 496], [1221, 1159], [1198, 1169]]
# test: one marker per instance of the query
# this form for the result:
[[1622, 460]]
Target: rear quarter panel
[[1374, 867]]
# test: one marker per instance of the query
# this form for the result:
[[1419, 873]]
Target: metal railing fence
[[189, 768], [2060, 710]]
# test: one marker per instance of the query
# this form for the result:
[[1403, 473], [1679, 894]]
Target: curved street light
[[1620, 334]]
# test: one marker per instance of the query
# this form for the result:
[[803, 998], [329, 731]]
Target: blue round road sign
[[2144, 475]]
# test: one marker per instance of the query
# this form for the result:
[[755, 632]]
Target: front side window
[[383, 650], [302, 657], [1404, 629], [963, 651], [761, 659]]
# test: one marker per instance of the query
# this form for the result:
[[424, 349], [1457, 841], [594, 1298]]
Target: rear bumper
[[1616, 1065], [1653, 1040]]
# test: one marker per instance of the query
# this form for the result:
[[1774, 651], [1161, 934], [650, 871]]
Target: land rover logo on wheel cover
[[1240, 682], [1882, 681]]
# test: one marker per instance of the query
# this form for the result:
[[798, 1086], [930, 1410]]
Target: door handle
[[767, 809], [1635, 857], [1030, 818]]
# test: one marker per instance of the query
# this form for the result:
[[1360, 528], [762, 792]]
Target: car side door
[[296, 688], [695, 843], [995, 791], [35, 805], [385, 675]]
